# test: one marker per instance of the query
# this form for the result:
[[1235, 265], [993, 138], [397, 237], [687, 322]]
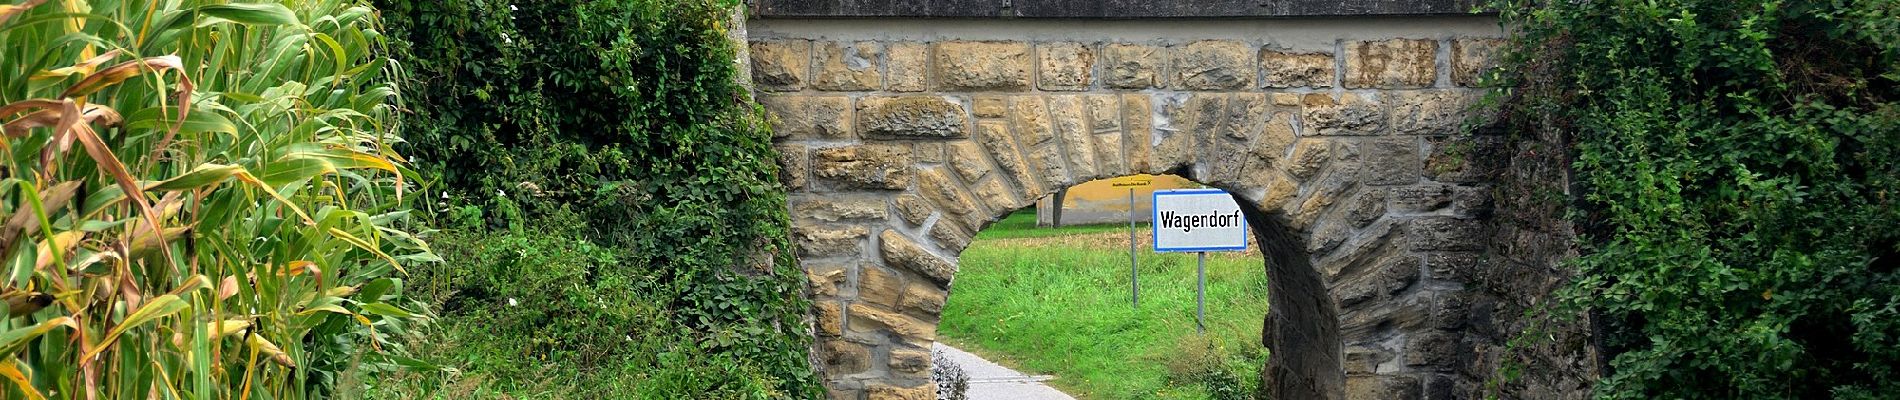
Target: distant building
[[1106, 200]]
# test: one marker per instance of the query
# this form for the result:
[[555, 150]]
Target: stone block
[[1296, 70], [878, 286], [910, 361], [1447, 234], [995, 137], [828, 315], [935, 184], [928, 152], [1349, 115], [926, 392], [842, 357], [1105, 113], [794, 166], [1138, 128], [1471, 201], [1386, 387], [982, 66], [995, 195], [914, 209], [1431, 349], [1368, 206], [839, 208], [849, 67], [826, 280], [1033, 122], [991, 107], [1071, 123], [1421, 198], [1309, 157], [780, 65], [1064, 66], [1433, 112], [869, 318], [877, 167], [809, 117], [1464, 159], [1213, 65], [1388, 161], [1472, 58], [924, 301], [1391, 64], [908, 65], [1108, 152], [912, 117], [824, 241], [949, 237], [1045, 164], [1132, 66], [901, 252], [968, 160]]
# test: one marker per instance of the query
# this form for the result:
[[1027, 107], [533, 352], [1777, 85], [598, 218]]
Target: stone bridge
[[1341, 136]]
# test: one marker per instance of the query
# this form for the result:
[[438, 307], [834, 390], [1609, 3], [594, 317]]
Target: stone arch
[[1344, 170]]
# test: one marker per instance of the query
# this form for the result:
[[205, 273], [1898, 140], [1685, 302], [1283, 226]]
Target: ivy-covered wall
[[608, 199], [1735, 184]]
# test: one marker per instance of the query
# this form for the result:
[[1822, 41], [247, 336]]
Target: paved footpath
[[989, 381]]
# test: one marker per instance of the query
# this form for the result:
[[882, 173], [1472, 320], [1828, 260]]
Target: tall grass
[[199, 199]]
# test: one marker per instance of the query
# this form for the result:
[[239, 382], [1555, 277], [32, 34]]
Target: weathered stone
[[1450, 311], [1213, 65], [870, 318], [991, 107], [1064, 66], [996, 139], [1396, 273], [1472, 58], [910, 361], [1388, 161], [1276, 138], [1045, 163], [880, 287], [881, 167], [1104, 114], [1137, 120], [1361, 361], [837, 390], [1467, 201], [1071, 127], [1391, 64], [1350, 114], [1451, 266], [1108, 151], [843, 357], [1132, 66], [848, 67], [926, 392], [1326, 237], [949, 237], [1033, 122], [914, 209], [1287, 99], [839, 208], [1385, 387], [899, 251], [1292, 70], [1280, 192], [993, 194], [1449, 234], [924, 300], [1430, 349], [968, 160], [912, 117], [1464, 159], [780, 65], [908, 64], [794, 166], [935, 185], [1368, 206], [1325, 193], [809, 117], [982, 66], [826, 280], [1203, 114], [821, 241], [928, 152], [828, 316], [1432, 112], [1421, 198], [1309, 156]]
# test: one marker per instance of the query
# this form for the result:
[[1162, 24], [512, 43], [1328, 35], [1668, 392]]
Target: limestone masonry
[[1368, 198]]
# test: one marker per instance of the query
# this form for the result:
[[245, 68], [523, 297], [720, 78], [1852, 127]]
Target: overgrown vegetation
[[1736, 161], [612, 219], [200, 200], [1055, 301]]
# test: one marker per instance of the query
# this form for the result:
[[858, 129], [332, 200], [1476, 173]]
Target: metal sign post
[[1198, 221], [1134, 271]]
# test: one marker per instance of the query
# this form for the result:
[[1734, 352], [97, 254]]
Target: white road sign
[[1197, 220]]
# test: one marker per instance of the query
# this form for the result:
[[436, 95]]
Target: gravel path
[[989, 381]]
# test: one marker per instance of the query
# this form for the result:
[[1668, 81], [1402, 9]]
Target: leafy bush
[[612, 131], [952, 382], [1738, 186], [201, 199]]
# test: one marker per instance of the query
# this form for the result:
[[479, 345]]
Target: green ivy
[[1737, 165], [608, 127]]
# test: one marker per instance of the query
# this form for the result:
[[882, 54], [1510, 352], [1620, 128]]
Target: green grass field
[[1056, 302]]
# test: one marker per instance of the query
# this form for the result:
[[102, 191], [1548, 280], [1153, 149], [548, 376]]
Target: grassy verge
[[1056, 301]]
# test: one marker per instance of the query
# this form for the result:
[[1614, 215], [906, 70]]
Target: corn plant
[[198, 199]]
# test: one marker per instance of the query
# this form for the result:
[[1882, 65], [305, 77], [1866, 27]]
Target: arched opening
[[1062, 301]]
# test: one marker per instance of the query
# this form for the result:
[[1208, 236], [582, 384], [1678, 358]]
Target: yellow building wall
[[1106, 200]]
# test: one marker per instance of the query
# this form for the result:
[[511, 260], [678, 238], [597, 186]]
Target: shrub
[[952, 382], [1735, 161], [618, 124], [201, 199]]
